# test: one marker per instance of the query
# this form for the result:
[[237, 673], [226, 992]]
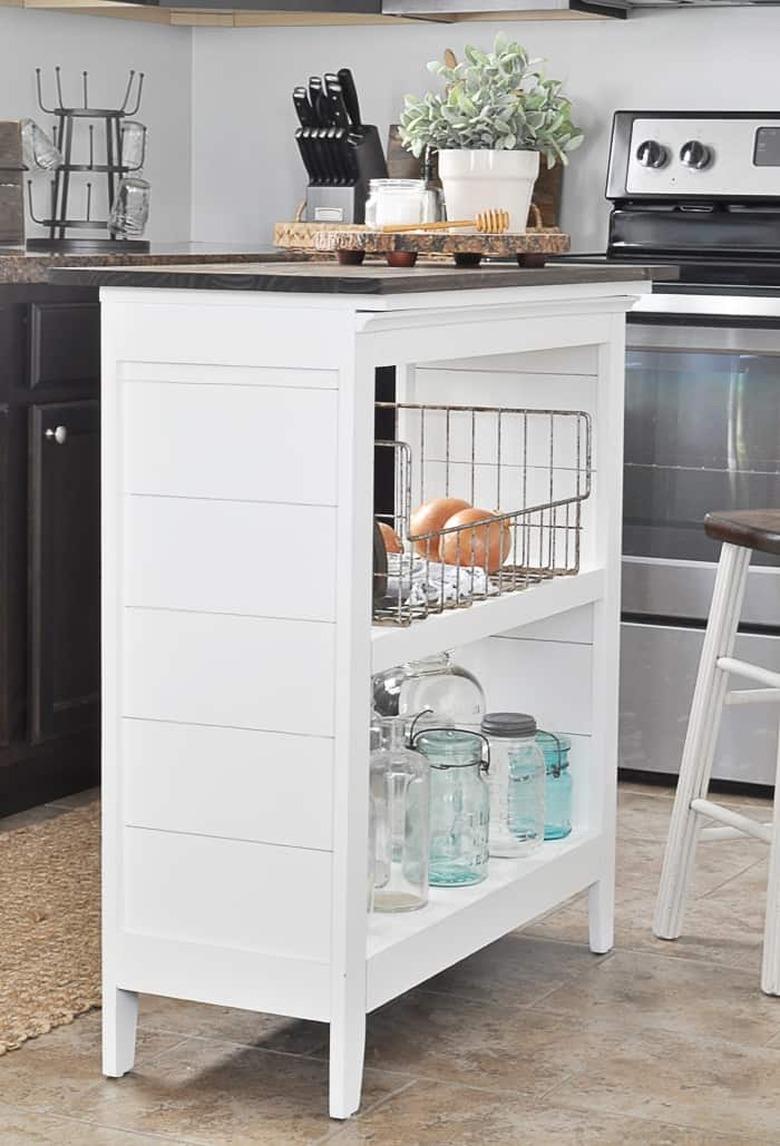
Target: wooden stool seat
[[750, 528]]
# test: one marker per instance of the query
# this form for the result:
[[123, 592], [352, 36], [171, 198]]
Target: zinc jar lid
[[508, 724]]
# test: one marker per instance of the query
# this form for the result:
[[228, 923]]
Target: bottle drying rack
[[59, 220]]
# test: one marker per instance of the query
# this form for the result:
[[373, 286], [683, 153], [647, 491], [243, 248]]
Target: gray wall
[[107, 48], [246, 170]]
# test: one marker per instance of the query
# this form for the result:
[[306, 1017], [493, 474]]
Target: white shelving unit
[[238, 645]]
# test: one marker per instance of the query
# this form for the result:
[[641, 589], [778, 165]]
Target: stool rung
[[752, 696], [709, 835], [749, 671], [742, 824]]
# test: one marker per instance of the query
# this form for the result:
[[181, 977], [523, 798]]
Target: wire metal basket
[[529, 470]]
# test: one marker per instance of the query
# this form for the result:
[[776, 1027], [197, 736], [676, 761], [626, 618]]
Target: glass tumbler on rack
[[460, 806], [517, 775], [443, 691], [399, 827], [133, 144], [38, 148], [557, 785], [130, 211]]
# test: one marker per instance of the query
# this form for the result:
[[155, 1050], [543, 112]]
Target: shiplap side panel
[[231, 557], [220, 375], [239, 784], [228, 893], [234, 442], [243, 672]]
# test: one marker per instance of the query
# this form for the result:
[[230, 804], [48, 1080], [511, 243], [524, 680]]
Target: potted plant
[[495, 116]]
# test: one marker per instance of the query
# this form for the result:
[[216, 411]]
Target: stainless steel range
[[702, 191]]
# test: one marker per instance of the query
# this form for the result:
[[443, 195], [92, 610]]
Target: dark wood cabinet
[[49, 543], [64, 567]]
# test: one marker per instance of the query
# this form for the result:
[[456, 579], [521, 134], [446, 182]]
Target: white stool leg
[[701, 739], [770, 965]]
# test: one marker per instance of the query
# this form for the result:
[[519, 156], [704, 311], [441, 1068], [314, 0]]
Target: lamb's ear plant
[[499, 100]]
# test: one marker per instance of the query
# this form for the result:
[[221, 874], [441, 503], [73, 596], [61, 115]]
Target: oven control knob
[[696, 155], [652, 154]]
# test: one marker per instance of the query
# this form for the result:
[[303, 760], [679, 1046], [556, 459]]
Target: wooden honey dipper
[[491, 222]]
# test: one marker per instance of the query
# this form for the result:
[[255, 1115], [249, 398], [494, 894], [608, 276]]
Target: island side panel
[[220, 652]]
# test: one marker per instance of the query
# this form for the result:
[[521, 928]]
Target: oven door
[[702, 433]]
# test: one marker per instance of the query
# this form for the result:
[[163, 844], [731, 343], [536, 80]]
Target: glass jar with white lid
[[395, 201]]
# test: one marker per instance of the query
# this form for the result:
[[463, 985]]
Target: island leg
[[606, 627], [601, 914], [347, 1049], [120, 1018]]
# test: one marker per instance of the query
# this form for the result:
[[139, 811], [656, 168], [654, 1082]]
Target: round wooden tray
[[352, 243]]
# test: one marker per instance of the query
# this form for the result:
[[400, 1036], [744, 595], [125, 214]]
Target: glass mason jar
[[460, 806], [394, 201], [399, 827], [557, 784], [448, 694], [517, 775]]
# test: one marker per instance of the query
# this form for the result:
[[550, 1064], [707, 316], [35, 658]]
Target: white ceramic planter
[[475, 181]]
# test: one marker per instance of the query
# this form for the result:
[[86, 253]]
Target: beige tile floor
[[531, 1041]]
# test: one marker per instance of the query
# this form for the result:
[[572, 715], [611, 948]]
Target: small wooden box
[[11, 184]]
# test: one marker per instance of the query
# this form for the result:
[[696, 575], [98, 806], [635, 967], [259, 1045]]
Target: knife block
[[11, 185], [350, 163]]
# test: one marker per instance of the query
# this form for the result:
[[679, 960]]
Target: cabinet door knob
[[59, 435]]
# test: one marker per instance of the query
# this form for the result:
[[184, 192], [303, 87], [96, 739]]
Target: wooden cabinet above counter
[[308, 13]]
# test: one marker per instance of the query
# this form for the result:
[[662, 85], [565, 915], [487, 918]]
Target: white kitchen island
[[238, 645]]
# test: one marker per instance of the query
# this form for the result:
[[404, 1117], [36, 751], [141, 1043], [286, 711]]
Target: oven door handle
[[700, 336]]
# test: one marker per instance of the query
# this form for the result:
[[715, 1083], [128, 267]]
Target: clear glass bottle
[[446, 693], [460, 806], [399, 829], [557, 785], [517, 776]]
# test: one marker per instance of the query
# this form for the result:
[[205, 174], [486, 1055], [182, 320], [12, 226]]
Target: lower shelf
[[406, 949]]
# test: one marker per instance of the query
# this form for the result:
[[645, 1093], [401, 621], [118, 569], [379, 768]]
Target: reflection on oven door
[[702, 433], [658, 673]]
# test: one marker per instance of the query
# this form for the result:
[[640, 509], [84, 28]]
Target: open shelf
[[392, 646], [405, 949]]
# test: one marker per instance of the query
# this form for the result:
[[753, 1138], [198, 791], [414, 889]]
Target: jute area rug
[[49, 924]]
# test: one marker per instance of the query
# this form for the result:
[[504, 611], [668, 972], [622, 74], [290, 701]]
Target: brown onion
[[430, 517], [390, 537], [485, 546]]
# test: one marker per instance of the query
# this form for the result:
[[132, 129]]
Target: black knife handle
[[337, 112], [302, 107], [347, 81], [316, 99]]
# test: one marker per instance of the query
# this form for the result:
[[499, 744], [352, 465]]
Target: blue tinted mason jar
[[557, 785], [460, 806]]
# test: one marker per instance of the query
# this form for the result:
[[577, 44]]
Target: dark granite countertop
[[20, 266], [310, 277]]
